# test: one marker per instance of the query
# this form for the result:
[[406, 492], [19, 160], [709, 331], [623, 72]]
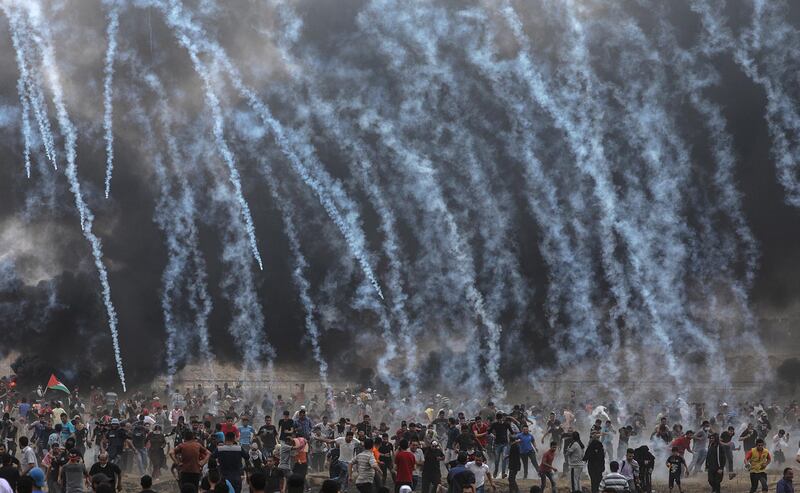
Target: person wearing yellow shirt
[[756, 460]]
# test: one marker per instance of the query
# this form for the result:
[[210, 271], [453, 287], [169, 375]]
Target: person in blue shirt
[[303, 425], [246, 432], [785, 484], [527, 450], [67, 428]]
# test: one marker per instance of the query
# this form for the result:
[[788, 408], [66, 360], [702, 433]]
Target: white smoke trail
[[176, 217], [108, 92], [22, 91], [569, 111], [29, 91], [364, 170], [194, 39], [227, 155], [568, 260], [299, 275], [40, 34], [418, 168]]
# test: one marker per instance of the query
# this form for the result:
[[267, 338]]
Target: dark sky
[[385, 72]]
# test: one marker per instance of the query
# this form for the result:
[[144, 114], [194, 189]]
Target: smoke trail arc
[[41, 37], [108, 93]]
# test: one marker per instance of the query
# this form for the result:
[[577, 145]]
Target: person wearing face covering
[[574, 459]]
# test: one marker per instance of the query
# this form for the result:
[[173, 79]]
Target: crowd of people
[[226, 439]]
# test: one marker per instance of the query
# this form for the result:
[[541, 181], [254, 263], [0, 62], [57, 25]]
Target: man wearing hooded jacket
[[715, 463]]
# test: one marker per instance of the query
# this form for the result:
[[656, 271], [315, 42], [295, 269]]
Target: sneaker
[[732, 475]]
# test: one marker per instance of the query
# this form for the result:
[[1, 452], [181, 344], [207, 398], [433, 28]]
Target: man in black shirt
[[117, 439], [285, 426], [9, 472], [231, 460], [267, 435], [365, 426], [110, 470], [138, 438], [501, 430], [274, 479]]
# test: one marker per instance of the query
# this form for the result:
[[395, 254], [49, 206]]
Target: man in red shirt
[[404, 463], [229, 427], [481, 431], [683, 443], [547, 469]]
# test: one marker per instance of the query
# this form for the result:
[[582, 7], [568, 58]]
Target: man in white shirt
[[28, 461], [347, 447], [482, 474]]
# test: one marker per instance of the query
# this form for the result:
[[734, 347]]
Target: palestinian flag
[[55, 384]]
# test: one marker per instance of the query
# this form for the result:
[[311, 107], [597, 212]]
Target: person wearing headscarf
[[595, 458], [574, 458]]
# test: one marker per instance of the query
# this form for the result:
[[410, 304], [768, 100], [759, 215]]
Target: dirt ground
[[693, 484]]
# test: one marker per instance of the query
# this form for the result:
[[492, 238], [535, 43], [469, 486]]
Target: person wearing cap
[[117, 439], [231, 460], [73, 474], [303, 424], [432, 467], [37, 476]]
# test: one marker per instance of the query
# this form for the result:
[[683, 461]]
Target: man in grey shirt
[[74, 475]]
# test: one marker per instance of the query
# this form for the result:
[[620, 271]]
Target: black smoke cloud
[[56, 322]]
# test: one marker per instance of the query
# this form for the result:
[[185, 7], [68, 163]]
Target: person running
[[73, 474], [501, 431], [756, 460], [190, 457], [715, 463], [405, 462], [728, 446], [547, 468], [366, 468], [481, 472], [676, 465], [514, 465], [231, 461], [108, 469], [630, 469], [595, 458], [527, 450]]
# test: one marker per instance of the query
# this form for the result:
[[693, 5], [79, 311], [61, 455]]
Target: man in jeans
[[757, 459], [501, 430], [547, 469], [527, 450]]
